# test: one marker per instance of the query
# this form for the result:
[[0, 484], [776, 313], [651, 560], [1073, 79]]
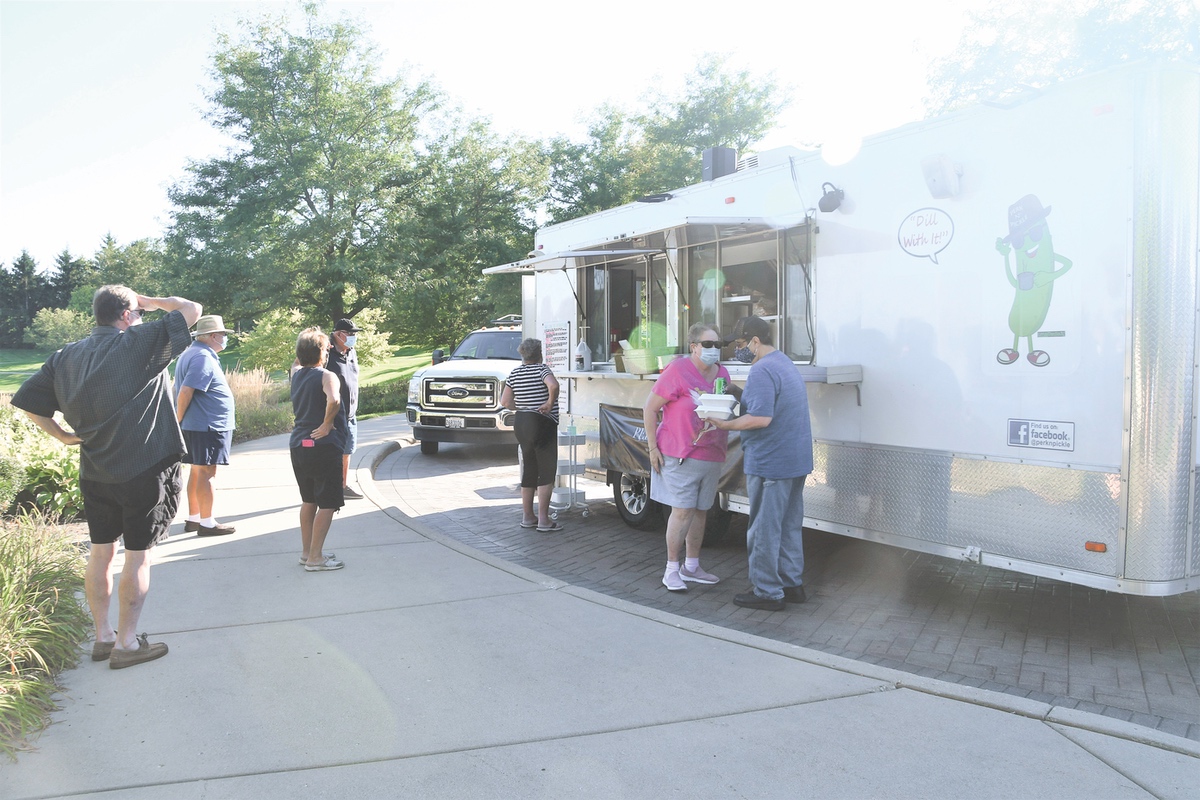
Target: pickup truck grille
[[431, 420], [459, 395]]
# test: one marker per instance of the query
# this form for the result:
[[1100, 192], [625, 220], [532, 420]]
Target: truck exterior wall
[[1015, 416]]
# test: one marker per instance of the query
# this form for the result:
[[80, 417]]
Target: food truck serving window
[[702, 273], [734, 276], [629, 300]]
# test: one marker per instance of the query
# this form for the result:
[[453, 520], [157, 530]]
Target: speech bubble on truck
[[926, 232]]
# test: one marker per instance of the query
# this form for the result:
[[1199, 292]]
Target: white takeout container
[[709, 412], [717, 401]]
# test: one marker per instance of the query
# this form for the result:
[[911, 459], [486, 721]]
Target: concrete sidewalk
[[429, 669]]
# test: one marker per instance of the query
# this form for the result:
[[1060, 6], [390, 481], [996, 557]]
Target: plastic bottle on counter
[[583, 357]]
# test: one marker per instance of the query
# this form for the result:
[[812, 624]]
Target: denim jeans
[[775, 536]]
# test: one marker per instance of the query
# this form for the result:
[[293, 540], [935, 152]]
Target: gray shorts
[[692, 484]]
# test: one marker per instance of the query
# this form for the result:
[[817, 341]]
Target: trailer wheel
[[428, 448], [631, 493]]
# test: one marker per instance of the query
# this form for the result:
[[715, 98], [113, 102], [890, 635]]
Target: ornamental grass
[[42, 622]]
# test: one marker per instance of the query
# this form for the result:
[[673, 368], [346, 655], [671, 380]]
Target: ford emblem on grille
[[458, 393]]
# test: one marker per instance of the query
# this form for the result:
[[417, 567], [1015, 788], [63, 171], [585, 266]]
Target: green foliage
[[474, 209], [41, 623], [263, 407], [1011, 43], [271, 345], [69, 274], [52, 484], [53, 328], [269, 420], [629, 155], [306, 209], [23, 290], [21, 444], [36, 471], [372, 345], [383, 398]]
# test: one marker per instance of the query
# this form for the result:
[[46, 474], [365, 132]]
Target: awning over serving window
[[694, 228], [552, 261]]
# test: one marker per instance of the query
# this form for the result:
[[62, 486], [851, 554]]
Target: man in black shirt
[[344, 363], [113, 391]]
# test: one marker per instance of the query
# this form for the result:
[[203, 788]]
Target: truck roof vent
[[749, 162]]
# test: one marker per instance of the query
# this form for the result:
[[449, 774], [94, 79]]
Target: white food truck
[[995, 313]]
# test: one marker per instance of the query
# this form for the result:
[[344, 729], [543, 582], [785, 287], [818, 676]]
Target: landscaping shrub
[[35, 468], [52, 484], [262, 406], [383, 398], [42, 622], [53, 328]]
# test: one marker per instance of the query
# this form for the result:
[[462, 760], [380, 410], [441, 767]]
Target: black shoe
[[350, 494], [191, 527], [751, 600], [794, 594], [215, 530]]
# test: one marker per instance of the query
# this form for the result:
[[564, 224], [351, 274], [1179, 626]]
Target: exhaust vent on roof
[[749, 162]]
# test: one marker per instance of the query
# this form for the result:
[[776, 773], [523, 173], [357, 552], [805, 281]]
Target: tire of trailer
[[428, 448], [631, 493]]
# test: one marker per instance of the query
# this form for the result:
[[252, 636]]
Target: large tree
[[475, 208], [1010, 43], [300, 211], [627, 155], [70, 273], [24, 290]]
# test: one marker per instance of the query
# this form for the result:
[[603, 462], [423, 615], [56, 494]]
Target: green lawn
[[17, 365]]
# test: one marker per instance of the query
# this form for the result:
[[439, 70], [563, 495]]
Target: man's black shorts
[[209, 448], [318, 473], [141, 509]]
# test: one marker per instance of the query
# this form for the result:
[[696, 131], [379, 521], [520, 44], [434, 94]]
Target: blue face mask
[[350, 340], [710, 355], [743, 354]]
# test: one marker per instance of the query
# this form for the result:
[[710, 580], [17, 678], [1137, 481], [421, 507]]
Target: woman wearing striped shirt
[[532, 391]]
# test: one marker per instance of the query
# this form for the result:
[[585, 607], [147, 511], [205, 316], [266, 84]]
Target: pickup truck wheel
[[631, 493], [428, 448]]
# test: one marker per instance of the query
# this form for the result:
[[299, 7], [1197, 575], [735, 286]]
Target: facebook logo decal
[[1018, 432], [1041, 434]]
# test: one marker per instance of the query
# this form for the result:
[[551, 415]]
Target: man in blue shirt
[[204, 408], [777, 445]]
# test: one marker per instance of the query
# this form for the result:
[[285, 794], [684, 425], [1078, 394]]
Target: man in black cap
[[344, 363]]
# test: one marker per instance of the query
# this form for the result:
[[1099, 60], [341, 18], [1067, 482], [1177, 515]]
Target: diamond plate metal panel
[[1195, 546], [1034, 513], [1164, 325]]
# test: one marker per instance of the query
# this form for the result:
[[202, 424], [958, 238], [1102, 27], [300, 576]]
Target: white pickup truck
[[457, 399]]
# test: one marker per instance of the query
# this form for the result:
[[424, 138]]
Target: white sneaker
[[673, 582], [699, 576]]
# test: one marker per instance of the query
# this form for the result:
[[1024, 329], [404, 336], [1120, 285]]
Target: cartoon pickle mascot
[[1034, 280]]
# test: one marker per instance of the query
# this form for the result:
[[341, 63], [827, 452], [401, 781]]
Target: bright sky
[[101, 102]]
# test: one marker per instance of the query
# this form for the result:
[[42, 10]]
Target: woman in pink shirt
[[686, 454]]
